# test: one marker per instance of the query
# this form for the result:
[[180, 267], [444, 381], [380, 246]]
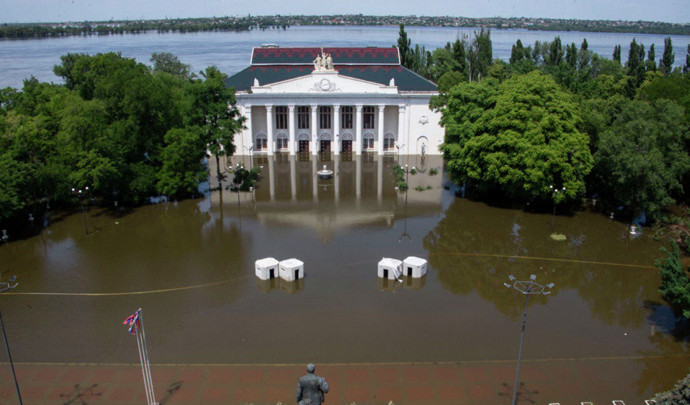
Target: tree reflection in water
[[474, 248]]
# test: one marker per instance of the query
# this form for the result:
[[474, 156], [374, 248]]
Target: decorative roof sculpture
[[323, 62]]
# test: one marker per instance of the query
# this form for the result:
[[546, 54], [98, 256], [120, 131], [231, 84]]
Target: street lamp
[[527, 288], [554, 197], [4, 286], [82, 195], [407, 176]]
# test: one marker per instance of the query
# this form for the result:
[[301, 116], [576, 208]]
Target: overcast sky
[[677, 11]]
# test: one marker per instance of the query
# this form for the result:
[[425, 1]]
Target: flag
[[133, 322]]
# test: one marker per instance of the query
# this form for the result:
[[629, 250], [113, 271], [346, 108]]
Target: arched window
[[282, 142], [389, 141], [368, 141], [260, 142]]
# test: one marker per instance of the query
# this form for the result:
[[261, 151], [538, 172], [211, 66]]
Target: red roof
[[341, 56]]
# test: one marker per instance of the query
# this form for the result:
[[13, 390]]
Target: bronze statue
[[311, 388]]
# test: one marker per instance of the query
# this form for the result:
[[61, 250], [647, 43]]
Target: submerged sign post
[[136, 328]]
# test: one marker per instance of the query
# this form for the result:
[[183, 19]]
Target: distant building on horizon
[[334, 100]]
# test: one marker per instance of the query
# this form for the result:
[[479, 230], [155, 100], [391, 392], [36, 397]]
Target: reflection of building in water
[[288, 287], [409, 283], [361, 192], [363, 101]]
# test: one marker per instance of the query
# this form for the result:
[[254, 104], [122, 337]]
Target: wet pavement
[[566, 381]]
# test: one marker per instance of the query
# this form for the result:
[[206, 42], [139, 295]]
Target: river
[[230, 51]]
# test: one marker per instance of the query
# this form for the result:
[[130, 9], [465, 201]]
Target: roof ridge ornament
[[323, 62]]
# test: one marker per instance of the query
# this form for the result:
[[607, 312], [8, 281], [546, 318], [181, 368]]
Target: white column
[[314, 125], [358, 130], [269, 129], [336, 129], [291, 129], [248, 123], [379, 123], [401, 125]]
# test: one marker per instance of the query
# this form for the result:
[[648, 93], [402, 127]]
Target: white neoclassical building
[[334, 100]]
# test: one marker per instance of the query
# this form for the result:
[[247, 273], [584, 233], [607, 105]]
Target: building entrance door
[[347, 146], [303, 146], [325, 146]]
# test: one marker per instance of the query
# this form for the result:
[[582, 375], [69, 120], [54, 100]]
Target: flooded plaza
[[190, 266]]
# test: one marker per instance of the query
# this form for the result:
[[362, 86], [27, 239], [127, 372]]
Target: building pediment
[[324, 82]]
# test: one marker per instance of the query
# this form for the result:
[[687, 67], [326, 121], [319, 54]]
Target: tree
[[679, 395], [555, 53], [651, 62], [517, 53], [571, 55], [583, 56], [168, 63], [640, 159], [480, 55], [686, 68], [675, 283], [666, 63], [404, 45], [214, 111], [519, 137], [182, 157], [617, 53]]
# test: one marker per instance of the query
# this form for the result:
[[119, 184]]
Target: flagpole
[[146, 357], [136, 328]]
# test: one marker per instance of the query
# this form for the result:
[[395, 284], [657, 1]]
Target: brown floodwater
[[190, 266]]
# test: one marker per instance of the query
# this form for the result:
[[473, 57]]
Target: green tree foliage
[[116, 126], [213, 110], [666, 62], [480, 55], [617, 53], [640, 158], [679, 395], [404, 47], [519, 137], [166, 62], [675, 282], [686, 68], [182, 157], [651, 59]]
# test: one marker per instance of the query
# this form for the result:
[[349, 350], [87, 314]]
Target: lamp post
[[81, 193], [554, 197], [407, 176], [4, 286], [527, 288]]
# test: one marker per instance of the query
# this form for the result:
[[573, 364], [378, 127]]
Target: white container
[[267, 268], [414, 267], [291, 269], [390, 268]]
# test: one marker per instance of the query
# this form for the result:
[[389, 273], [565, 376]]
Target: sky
[[12, 11]]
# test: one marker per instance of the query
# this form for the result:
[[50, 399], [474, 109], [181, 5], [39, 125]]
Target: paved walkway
[[543, 382]]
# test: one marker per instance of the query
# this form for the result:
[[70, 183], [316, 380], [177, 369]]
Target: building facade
[[334, 100]]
